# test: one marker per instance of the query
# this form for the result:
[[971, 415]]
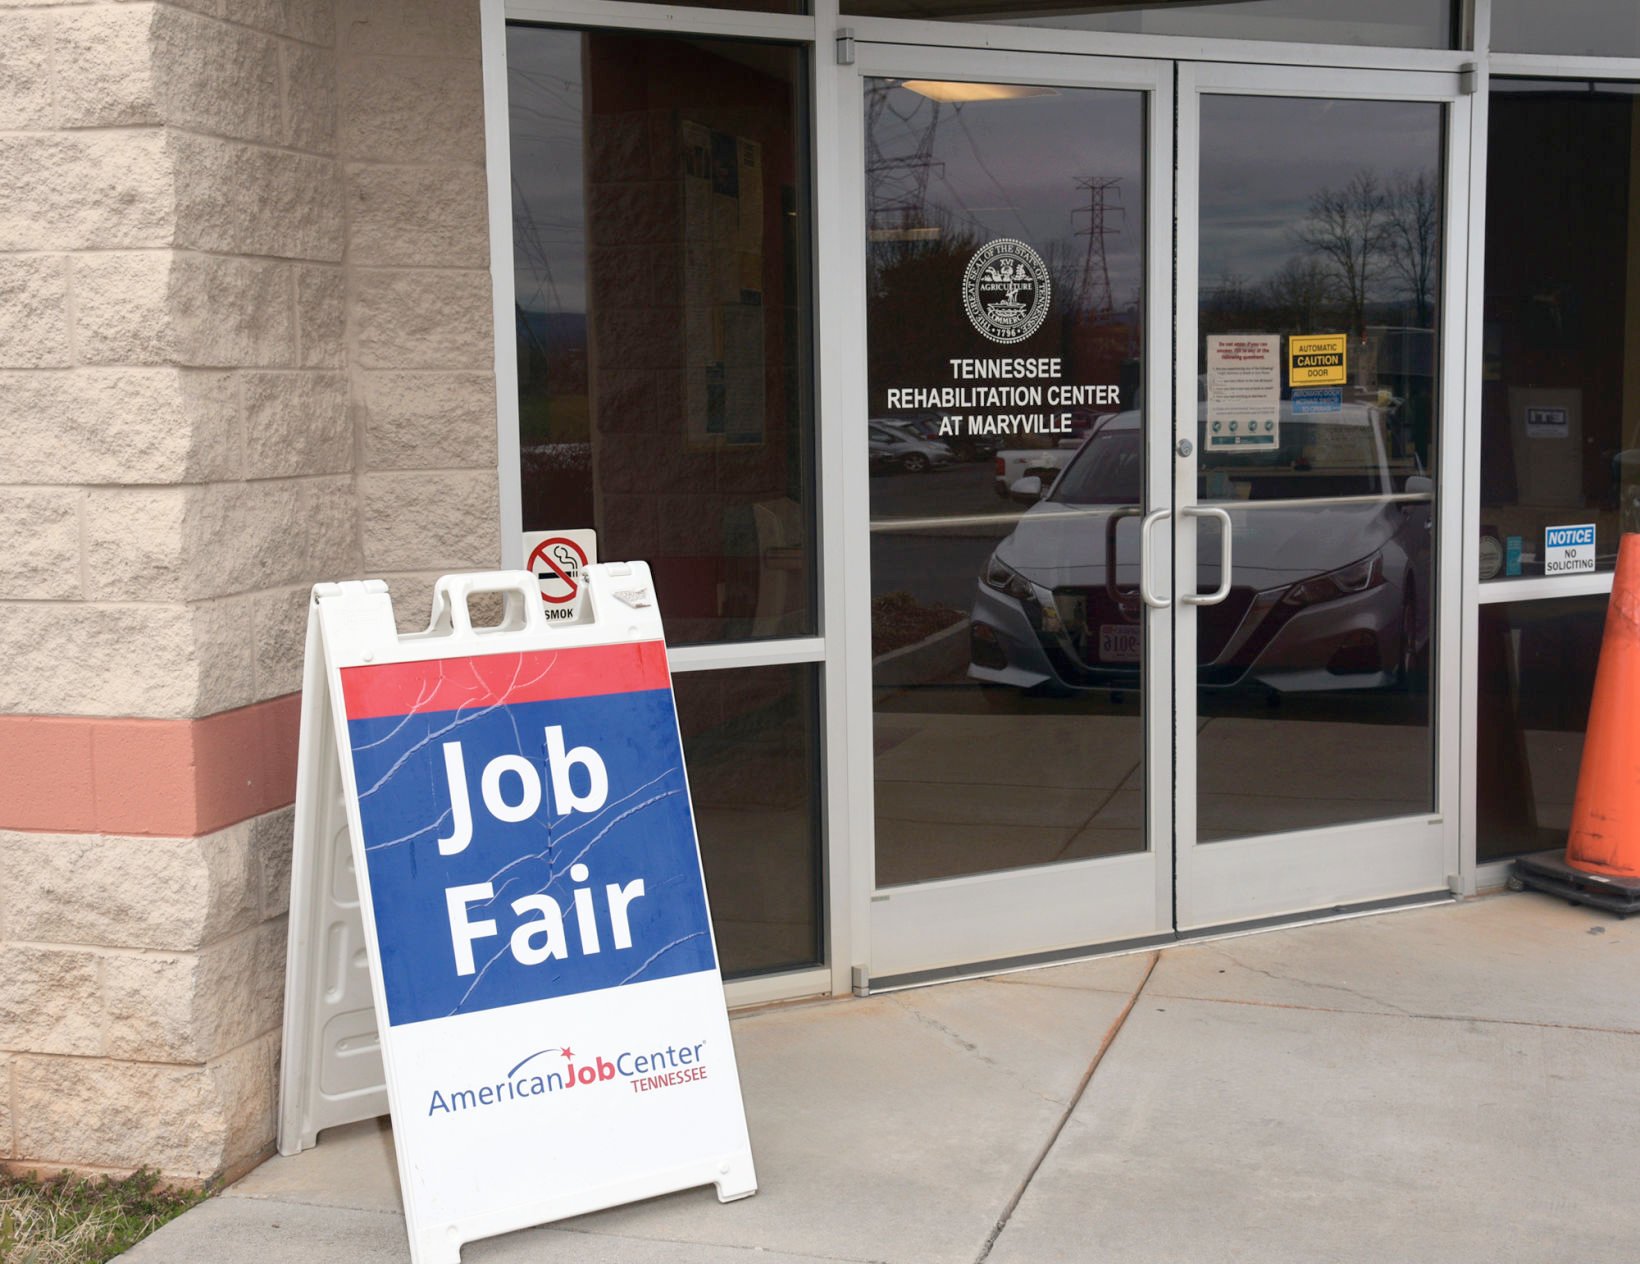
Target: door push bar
[[1120, 597], [1223, 590], [1145, 590]]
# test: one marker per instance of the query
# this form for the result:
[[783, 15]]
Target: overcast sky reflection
[[1009, 168], [549, 214], [1264, 158], [1006, 168]]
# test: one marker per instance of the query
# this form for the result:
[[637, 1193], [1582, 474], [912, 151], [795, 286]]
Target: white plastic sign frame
[[330, 1068], [541, 962]]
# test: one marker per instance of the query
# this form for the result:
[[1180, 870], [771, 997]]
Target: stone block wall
[[245, 344], [420, 324]]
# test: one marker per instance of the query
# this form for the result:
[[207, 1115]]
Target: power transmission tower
[[1105, 218], [897, 184]]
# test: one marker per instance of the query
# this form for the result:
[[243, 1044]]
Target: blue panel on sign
[[1318, 399], [1564, 537], [526, 850]]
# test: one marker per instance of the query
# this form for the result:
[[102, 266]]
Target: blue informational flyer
[[1317, 399]]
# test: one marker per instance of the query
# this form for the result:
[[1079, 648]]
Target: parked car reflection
[[895, 449], [1328, 592]]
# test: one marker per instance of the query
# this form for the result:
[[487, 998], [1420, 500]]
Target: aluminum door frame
[[1277, 875], [948, 924]]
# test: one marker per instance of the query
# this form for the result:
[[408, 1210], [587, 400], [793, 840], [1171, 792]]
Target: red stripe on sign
[[484, 680]]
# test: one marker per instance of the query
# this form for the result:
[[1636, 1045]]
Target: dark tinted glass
[[1392, 23], [1536, 663], [1005, 266], [1560, 388], [749, 736], [1320, 250], [1109, 470], [660, 229], [1596, 28]]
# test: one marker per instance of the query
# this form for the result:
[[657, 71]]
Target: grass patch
[[70, 1219]]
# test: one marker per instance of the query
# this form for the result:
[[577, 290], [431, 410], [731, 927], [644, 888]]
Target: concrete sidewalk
[[1445, 1084]]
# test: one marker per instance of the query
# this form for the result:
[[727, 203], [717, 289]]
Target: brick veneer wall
[[244, 345]]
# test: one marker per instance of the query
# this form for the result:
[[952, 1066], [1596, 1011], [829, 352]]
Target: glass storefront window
[[750, 739], [661, 226], [1590, 28], [1560, 391], [661, 231], [1536, 663], [1385, 23]]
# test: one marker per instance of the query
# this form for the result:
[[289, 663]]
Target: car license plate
[[1118, 643]]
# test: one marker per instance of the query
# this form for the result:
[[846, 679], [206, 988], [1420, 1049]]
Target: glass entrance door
[[1315, 548], [1016, 242], [1067, 747]]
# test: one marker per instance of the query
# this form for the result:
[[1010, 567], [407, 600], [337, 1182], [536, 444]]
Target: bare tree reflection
[[1412, 239], [1369, 256], [1302, 293], [1348, 227]]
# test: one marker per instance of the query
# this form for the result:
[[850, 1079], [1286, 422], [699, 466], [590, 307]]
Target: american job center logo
[[558, 1070]]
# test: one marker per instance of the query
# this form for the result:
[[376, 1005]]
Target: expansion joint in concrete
[[1070, 1109], [1397, 1012]]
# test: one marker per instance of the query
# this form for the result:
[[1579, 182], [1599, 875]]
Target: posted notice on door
[[1243, 391]]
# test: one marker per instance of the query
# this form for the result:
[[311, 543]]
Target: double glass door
[[1156, 420]]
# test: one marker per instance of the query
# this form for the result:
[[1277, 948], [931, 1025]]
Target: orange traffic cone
[[1605, 835]]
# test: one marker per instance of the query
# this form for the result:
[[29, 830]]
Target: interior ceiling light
[[941, 90]]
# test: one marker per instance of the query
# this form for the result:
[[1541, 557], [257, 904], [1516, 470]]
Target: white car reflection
[[1328, 592]]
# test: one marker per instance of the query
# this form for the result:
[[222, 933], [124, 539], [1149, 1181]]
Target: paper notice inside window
[[1243, 391]]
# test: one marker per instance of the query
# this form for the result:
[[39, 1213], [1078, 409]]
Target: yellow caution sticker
[[1316, 359]]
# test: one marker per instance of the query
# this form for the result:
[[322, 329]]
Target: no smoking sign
[[557, 559]]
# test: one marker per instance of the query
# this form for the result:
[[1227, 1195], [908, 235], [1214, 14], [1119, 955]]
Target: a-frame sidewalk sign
[[496, 873]]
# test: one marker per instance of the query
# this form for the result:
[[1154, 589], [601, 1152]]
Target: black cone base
[[1548, 871]]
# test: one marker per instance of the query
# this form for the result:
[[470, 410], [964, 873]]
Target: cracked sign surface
[[526, 827]]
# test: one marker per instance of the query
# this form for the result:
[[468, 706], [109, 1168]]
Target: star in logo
[[568, 1053]]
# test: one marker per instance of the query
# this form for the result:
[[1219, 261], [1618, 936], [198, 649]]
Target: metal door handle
[[1116, 595], [1223, 590], [1145, 591]]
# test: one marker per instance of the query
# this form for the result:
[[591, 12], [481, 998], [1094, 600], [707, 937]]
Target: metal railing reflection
[[885, 526]]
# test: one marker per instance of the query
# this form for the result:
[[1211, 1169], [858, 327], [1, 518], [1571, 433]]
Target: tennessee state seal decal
[[1005, 290]]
